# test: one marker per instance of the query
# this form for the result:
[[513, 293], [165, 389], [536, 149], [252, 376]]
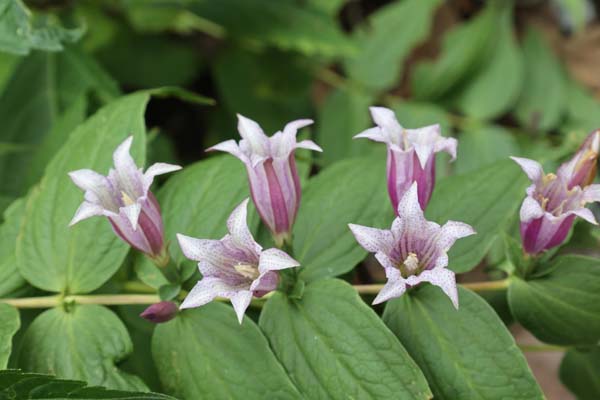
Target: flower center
[[126, 199], [247, 271], [410, 266]]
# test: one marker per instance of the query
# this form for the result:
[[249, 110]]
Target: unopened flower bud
[[160, 312]]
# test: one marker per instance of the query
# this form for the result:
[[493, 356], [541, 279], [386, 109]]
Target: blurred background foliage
[[504, 77]]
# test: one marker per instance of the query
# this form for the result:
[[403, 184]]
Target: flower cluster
[[413, 251]]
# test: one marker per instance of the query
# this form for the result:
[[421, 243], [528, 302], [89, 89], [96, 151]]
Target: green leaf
[[583, 110], [496, 87], [562, 306], [33, 109], [465, 353], [50, 254], [343, 115], [10, 325], [542, 102], [83, 342], [482, 145], [335, 347], [486, 199], [206, 353], [10, 278], [387, 39], [579, 372], [413, 114], [285, 25], [15, 384], [464, 50], [20, 32], [349, 191], [129, 56], [259, 86], [197, 202]]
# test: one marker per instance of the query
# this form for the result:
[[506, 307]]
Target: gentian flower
[[410, 154], [271, 167], [581, 169], [235, 267], [548, 211], [160, 312], [124, 197], [414, 250]]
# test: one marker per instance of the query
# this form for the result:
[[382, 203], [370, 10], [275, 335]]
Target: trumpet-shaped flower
[[124, 197], [410, 154], [581, 169], [235, 267], [414, 250], [271, 167], [548, 211]]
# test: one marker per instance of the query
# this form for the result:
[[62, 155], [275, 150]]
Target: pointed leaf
[[10, 325], [206, 353], [465, 353], [84, 342], [335, 347]]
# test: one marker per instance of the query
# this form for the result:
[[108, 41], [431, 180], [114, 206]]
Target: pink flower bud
[[160, 312], [411, 154], [271, 167], [581, 169], [548, 211], [124, 197]]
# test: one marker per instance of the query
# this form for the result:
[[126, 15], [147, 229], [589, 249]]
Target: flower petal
[[203, 250], [291, 128], [86, 210], [274, 260], [372, 239], [409, 210], [448, 145], [532, 168], [265, 283], [86, 179], [586, 214], [591, 193], [238, 228], [240, 302], [440, 277], [160, 168], [451, 231], [375, 134], [254, 135], [385, 118], [132, 213], [206, 290], [308, 145], [228, 146], [530, 209], [395, 287]]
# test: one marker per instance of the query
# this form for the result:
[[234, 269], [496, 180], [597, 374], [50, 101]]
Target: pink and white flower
[[235, 267], [410, 155], [414, 250], [124, 197], [271, 167], [581, 169], [551, 205]]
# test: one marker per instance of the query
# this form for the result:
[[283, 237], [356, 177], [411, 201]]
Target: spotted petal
[[372, 239], [441, 277], [532, 168], [274, 260]]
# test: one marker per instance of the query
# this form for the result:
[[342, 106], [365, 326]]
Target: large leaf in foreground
[[465, 353], [197, 202], [206, 353], [15, 384], [335, 347], [10, 278], [563, 305], [50, 254], [349, 191], [10, 325], [486, 199], [85, 342]]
